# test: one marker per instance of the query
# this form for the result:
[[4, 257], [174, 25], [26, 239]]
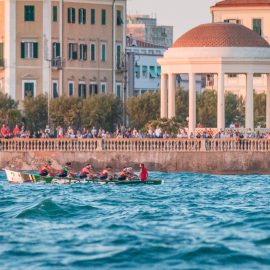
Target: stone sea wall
[[223, 162]]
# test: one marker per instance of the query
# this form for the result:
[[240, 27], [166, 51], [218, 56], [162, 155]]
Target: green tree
[[66, 111], [143, 109], [36, 112], [9, 113], [207, 108], [232, 112], [102, 111], [181, 106], [260, 109]]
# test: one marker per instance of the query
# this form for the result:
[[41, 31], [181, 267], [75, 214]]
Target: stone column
[[220, 102], [268, 101], [171, 96], [192, 103], [164, 96], [249, 101], [10, 49]]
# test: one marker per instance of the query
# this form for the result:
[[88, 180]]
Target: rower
[[86, 172], [47, 170], [123, 174], [105, 173], [143, 172], [67, 171]]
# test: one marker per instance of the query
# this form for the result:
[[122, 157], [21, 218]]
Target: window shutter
[[93, 16], [103, 17], [84, 16], [35, 49], [75, 52], [73, 15], [57, 49], [22, 50], [1, 51], [69, 15], [55, 13]]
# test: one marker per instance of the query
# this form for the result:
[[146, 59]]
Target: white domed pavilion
[[215, 48]]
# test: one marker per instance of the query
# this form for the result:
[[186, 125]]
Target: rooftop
[[220, 35], [242, 3]]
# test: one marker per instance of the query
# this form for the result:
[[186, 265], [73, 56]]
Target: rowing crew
[[87, 172]]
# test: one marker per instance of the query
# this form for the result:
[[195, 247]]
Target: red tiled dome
[[242, 3], [220, 35]]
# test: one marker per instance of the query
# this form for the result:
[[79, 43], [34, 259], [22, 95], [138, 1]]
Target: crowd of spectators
[[20, 131]]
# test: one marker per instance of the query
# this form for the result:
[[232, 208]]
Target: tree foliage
[[260, 109], [36, 112], [9, 112], [66, 111], [143, 109], [181, 106], [207, 108], [102, 111]]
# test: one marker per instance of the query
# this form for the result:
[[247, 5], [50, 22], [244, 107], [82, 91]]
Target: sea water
[[191, 221]]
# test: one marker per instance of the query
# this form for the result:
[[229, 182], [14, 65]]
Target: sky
[[181, 14]]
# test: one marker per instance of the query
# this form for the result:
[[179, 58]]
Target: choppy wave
[[192, 221]]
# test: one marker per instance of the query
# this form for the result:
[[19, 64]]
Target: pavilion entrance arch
[[216, 48]]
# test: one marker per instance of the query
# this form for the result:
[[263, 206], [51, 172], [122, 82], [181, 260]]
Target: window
[[82, 16], [159, 71], [119, 90], [29, 50], [93, 16], [71, 15], [144, 71], [232, 21], [83, 52], [257, 75], [55, 89], [152, 72], [82, 90], [56, 50], [1, 54], [29, 88], [103, 16], [232, 75], [29, 13], [103, 52], [103, 88], [55, 15], [118, 56], [70, 88], [257, 26], [93, 89], [119, 20], [93, 52], [73, 51], [137, 71]]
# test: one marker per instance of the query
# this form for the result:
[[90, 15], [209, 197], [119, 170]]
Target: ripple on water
[[192, 221]]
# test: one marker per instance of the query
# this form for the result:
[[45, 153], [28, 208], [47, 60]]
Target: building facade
[[255, 15], [142, 68], [61, 47], [145, 28]]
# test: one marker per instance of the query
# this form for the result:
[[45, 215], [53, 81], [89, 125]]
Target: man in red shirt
[[16, 131], [143, 172]]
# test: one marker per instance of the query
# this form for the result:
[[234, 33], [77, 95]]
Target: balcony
[[57, 63]]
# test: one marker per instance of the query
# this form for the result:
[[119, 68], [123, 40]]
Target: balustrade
[[134, 145]]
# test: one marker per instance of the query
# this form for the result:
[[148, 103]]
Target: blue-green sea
[[191, 221]]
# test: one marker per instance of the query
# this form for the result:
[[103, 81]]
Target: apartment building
[[61, 47], [255, 15], [145, 28]]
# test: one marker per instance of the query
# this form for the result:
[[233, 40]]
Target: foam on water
[[192, 221]]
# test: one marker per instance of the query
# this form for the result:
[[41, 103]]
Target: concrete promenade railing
[[134, 145]]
